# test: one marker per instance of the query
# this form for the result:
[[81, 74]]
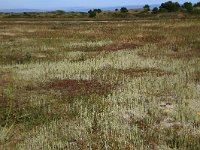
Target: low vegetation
[[100, 85]]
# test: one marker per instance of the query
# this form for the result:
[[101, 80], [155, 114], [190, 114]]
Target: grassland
[[100, 85], [132, 14]]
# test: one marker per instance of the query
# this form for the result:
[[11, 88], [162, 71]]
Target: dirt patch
[[137, 72], [80, 86]]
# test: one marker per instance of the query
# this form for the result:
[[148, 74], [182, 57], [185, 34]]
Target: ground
[[100, 85]]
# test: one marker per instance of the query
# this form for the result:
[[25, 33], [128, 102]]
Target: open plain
[[100, 85]]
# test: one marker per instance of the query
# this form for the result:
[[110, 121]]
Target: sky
[[52, 4]]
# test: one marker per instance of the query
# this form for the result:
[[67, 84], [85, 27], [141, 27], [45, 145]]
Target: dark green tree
[[155, 10], [170, 6], [89, 11], [92, 14], [146, 7], [97, 10], [124, 10], [188, 6]]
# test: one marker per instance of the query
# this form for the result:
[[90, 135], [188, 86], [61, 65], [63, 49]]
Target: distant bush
[[116, 9], [97, 10], [155, 10], [170, 6], [146, 8], [188, 7], [93, 13], [124, 10], [89, 11]]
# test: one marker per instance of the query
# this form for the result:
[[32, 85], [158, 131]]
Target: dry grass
[[137, 72], [100, 85]]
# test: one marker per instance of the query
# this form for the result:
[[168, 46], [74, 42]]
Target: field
[[100, 85]]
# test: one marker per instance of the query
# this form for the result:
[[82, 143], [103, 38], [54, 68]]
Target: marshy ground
[[100, 85]]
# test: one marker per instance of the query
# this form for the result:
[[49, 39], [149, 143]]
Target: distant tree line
[[175, 7], [168, 6]]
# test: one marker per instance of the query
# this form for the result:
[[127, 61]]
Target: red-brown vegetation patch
[[80, 86], [134, 42], [150, 38], [137, 72]]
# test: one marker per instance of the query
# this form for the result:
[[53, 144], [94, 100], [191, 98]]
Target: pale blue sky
[[49, 4]]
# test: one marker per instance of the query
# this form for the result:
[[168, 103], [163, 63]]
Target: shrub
[[97, 10], [188, 6], [170, 6], [92, 14], [155, 10], [124, 10], [146, 8], [89, 11]]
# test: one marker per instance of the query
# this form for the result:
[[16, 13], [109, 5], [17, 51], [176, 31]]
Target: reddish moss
[[80, 86], [151, 38]]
